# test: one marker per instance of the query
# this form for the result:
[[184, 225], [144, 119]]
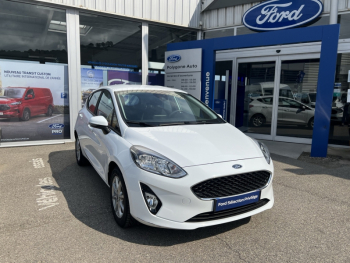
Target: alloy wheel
[[118, 197], [258, 121]]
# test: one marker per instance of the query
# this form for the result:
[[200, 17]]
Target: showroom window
[[33, 73], [339, 133], [111, 52], [159, 37]]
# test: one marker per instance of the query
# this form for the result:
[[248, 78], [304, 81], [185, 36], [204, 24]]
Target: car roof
[[140, 87]]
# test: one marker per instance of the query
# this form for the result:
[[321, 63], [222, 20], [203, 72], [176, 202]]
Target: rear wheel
[[81, 159], [25, 115], [49, 111], [258, 120], [120, 201]]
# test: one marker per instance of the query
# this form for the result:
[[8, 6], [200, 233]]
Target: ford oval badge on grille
[[237, 166]]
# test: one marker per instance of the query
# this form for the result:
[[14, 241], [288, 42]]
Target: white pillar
[[144, 53], [74, 73], [333, 16]]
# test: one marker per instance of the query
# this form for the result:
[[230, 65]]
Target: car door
[[293, 111], [87, 134], [107, 142], [31, 102]]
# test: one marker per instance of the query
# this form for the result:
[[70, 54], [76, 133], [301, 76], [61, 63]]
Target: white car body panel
[[203, 151]]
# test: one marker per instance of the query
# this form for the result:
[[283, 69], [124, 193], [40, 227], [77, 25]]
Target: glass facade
[[159, 38], [34, 89], [110, 51]]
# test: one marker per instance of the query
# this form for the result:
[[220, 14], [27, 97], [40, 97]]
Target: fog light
[[152, 200]]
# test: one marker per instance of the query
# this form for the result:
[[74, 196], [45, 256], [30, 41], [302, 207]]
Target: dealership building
[[287, 82]]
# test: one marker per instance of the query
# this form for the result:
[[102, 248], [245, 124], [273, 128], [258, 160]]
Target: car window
[[289, 103], [106, 109], [30, 92], [93, 102], [268, 101]]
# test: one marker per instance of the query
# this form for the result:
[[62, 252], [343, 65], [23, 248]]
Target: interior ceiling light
[[61, 27]]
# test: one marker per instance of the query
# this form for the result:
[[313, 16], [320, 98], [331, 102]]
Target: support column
[[144, 53], [333, 16], [74, 73]]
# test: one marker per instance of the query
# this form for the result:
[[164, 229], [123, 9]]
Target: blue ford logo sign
[[174, 58], [282, 14], [56, 126], [237, 166]]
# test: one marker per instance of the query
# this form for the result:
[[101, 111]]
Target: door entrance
[[275, 96]]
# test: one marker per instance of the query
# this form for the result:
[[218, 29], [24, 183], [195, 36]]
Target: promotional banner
[[124, 77], [34, 103], [183, 70], [91, 80]]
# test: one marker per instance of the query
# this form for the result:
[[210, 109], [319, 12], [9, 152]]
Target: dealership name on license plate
[[236, 201]]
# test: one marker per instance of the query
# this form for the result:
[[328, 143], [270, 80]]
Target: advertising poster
[[124, 78], [91, 80], [34, 102]]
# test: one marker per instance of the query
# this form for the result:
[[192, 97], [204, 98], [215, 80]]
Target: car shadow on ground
[[88, 200]]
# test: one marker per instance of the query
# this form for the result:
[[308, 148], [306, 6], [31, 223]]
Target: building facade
[[73, 47]]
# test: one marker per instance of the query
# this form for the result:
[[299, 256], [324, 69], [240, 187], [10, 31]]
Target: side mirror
[[99, 122], [30, 96]]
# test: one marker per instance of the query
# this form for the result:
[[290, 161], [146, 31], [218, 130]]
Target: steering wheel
[[174, 112]]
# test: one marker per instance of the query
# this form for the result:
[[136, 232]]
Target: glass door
[[255, 93]]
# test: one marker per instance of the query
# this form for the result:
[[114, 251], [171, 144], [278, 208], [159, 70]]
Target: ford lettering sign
[[282, 14], [56, 126], [174, 58]]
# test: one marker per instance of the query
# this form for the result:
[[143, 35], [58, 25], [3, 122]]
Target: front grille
[[228, 213], [4, 107], [231, 185]]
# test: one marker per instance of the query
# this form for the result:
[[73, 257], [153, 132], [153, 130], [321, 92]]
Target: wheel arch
[[111, 166]]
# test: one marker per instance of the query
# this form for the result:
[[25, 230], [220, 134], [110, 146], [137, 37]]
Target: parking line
[[50, 118]]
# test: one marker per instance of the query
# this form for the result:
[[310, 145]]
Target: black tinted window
[[107, 110]]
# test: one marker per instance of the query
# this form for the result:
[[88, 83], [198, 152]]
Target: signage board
[[189, 60], [282, 14], [220, 107], [189, 82], [183, 70]]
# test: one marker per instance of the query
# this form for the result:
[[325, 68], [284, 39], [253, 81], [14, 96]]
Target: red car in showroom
[[24, 103]]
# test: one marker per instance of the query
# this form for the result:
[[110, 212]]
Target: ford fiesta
[[169, 160]]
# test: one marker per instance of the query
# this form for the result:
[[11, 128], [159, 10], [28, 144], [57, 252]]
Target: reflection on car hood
[[5, 100], [189, 145]]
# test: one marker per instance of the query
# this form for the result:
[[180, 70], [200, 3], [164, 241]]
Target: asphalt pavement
[[52, 210]]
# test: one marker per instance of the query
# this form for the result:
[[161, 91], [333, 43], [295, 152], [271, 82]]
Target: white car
[[169, 160]]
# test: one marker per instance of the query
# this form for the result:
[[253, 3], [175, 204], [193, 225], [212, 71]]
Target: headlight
[[153, 162], [16, 103], [264, 150]]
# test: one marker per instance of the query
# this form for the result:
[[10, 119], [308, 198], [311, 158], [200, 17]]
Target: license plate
[[236, 201], [1, 113]]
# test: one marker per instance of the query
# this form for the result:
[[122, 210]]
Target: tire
[[311, 123], [81, 159], [119, 199], [49, 111], [258, 120], [25, 115]]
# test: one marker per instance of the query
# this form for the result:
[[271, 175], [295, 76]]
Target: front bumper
[[179, 204], [11, 113]]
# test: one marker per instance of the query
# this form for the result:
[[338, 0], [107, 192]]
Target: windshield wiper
[[144, 124], [187, 123]]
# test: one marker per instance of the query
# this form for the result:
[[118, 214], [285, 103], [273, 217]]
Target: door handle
[[80, 115]]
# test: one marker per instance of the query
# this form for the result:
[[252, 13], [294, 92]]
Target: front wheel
[[81, 159], [25, 115], [120, 201], [311, 123]]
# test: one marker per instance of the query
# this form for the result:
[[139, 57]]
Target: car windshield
[[145, 108], [14, 93]]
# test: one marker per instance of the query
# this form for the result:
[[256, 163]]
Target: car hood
[[189, 145], [7, 100]]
